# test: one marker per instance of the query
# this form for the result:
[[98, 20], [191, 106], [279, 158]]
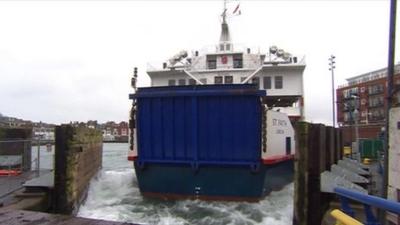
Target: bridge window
[[171, 82], [238, 61], [182, 82], [192, 82], [267, 82], [256, 80], [288, 146], [242, 79], [203, 80], [218, 80], [228, 79], [211, 62], [278, 82]]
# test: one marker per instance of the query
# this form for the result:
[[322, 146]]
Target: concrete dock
[[12, 184], [22, 217]]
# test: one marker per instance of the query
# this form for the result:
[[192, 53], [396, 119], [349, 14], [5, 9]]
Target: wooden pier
[[318, 147]]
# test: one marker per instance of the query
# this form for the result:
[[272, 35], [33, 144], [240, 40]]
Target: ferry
[[216, 124]]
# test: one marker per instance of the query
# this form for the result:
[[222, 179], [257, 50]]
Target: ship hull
[[229, 183]]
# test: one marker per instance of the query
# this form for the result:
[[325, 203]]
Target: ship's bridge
[[277, 71], [283, 80]]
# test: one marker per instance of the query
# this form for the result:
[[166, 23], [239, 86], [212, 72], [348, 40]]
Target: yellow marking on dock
[[344, 219]]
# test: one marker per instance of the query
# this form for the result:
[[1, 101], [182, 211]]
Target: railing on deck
[[368, 201]]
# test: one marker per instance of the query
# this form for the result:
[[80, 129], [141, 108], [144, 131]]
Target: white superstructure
[[278, 72]]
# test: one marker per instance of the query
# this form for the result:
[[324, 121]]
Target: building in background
[[43, 131], [114, 132], [12, 122], [363, 98]]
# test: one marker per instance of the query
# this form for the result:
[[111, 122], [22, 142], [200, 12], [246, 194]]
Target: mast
[[225, 38], [224, 13]]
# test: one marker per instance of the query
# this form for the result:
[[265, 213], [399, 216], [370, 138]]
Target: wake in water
[[114, 195]]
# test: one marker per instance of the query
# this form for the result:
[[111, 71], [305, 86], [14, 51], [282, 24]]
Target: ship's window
[[228, 80], [228, 47], [211, 62], [203, 80], [182, 82], [192, 82], [256, 80], [288, 146], [171, 82], [218, 80], [278, 82], [242, 79], [267, 82], [221, 47], [238, 61]]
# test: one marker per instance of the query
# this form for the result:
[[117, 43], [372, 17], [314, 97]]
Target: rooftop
[[370, 76]]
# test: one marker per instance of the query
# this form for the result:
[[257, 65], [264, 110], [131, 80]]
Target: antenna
[[224, 13]]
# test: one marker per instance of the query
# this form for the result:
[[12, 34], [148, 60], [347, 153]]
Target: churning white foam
[[114, 195]]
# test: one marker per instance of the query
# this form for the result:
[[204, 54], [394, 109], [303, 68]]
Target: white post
[[332, 68]]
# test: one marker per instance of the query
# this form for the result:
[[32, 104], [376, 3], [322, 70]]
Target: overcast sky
[[72, 61]]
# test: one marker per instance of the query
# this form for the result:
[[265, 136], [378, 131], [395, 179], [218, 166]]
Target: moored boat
[[215, 125]]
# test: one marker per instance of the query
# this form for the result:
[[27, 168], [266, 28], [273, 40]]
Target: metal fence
[[22, 155], [368, 201], [15, 155]]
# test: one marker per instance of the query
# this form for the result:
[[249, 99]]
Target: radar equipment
[[280, 52], [273, 49], [278, 55], [177, 58], [286, 56]]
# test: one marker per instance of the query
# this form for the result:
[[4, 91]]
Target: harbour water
[[114, 195]]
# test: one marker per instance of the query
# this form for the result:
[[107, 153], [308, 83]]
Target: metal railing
[[343, 218], [20, 155], [368, 201], [15, 155]]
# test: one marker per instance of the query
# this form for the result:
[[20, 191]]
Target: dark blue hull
[[213, 182]]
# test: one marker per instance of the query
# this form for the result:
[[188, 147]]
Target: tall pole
[[332, 68], [390, 73], [38, 156]]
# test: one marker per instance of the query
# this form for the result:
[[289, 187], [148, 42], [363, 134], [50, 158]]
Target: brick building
[[363, 98], [113, 131]]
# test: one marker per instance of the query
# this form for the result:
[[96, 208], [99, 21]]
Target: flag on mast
[[237, 10]]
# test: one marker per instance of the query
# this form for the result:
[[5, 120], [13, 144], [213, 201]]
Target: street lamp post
[[356, 128], [332, 68]]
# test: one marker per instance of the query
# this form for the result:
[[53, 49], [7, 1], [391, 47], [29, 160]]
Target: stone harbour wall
[[78, 157]]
